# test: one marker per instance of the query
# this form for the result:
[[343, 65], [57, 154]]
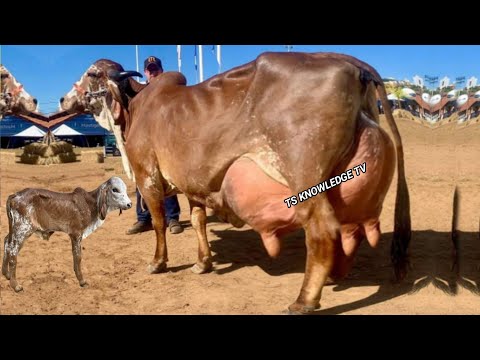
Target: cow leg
[[199, 222], [155, 203], [322, 232], [77, 258], [147, 176]]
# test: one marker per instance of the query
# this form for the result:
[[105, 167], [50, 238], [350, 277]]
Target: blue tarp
[[84, 124], [11, 125]]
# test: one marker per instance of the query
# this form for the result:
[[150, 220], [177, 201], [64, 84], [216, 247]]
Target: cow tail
[[455, 249], [402, 229]]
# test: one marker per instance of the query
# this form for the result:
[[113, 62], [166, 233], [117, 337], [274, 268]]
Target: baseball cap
[[152, 60]]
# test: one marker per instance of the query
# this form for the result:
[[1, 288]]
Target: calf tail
[[8, 238], [8, 207]]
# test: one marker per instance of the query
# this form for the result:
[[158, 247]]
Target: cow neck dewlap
[[105, 118]]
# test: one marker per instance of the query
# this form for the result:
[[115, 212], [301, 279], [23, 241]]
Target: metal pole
[[136, 58], [200, 61], [179, 57], [219, 58]]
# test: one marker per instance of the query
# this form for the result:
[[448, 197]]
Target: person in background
[[152, 68]]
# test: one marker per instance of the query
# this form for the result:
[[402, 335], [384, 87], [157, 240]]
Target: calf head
[[112, 196]]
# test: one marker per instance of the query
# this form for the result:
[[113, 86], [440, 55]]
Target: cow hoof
[[330, 281], [18, 288], [157, 269], [201, 269], [297, 309], [83, 283]]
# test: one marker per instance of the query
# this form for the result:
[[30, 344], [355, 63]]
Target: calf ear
[[102, 203]]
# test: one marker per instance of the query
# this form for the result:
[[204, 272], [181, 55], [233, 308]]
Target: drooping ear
[[117, 83], [95, 73], [117, 96], [102, 202], [18, 90]]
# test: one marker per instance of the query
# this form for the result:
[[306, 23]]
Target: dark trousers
[[172, 209]]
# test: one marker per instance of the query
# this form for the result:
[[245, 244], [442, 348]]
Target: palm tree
[[397, 91]]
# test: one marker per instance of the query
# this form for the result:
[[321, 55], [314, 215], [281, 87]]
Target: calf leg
[[199, 222], [16, 243], [77, 258]]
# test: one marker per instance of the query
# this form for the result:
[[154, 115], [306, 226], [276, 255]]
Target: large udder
[[258, 199]]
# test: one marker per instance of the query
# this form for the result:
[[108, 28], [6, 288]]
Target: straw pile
[[49, 151], [93, 156]]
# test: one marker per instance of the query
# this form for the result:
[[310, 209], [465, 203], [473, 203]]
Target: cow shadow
[[431, 263]]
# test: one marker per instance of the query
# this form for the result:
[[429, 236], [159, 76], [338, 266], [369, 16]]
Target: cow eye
[[115, 190]]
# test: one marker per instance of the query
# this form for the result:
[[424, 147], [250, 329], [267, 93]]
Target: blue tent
[[12, 125], [86, 125]]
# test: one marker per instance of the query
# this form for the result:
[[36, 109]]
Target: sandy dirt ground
[[246, 280]]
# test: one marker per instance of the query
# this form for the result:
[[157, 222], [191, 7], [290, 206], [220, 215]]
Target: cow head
[[87, 93], [13, 97], [94, 94]]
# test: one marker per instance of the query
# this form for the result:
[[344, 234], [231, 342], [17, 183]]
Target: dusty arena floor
[[245, 280]]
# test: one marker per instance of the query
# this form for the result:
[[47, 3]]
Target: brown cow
[[243, 141], [13, 97]]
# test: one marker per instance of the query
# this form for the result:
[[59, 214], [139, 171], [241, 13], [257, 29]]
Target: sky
[[49, 71]]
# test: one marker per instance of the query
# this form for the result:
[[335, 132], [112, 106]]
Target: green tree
[[397, 91]]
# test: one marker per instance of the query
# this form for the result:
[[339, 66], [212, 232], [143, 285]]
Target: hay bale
[[401, 113], [8, 158], [92, 156], [28, 158], [48, 150], [58, 152]]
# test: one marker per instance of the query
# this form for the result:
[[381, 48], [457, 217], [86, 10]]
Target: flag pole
[[195, 60], [179, 57], [136, 58], [200, 61], [219, 58]]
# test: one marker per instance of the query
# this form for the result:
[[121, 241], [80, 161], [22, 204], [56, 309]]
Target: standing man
[[152, 68]]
